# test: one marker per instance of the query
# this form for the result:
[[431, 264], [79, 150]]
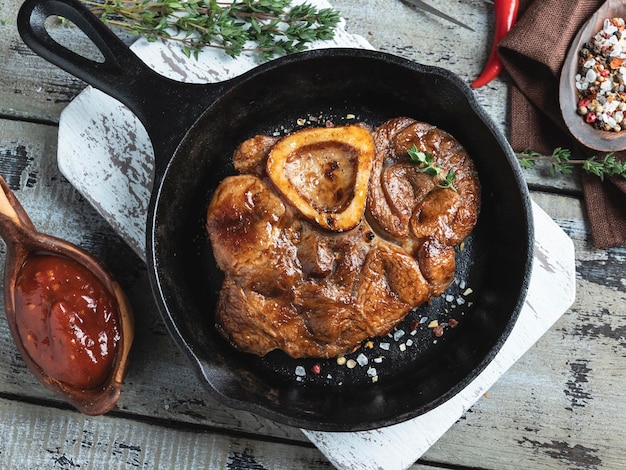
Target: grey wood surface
[[561, 406]]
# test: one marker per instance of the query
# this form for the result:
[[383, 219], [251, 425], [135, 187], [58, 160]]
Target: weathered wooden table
[[562, 405]]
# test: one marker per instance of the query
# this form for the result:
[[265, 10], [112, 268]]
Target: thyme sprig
[[560, 161], [425, 163], [277, 27]]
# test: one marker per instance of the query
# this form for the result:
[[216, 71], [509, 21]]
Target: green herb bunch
[[560, 161], [425, 163], [275, 26]]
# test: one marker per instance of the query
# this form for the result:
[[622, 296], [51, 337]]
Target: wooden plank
[[44, 437]]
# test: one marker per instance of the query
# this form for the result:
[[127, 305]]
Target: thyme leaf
[[448, 181], [425, 163], [277, 27], [560, 162]]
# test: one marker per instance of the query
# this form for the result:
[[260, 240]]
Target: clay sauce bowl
[[23, 240]]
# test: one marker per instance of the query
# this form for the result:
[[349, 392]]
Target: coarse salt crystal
[[591, 76], [362, 359], [384, 346], [300, 371], [398, 334], [612, 106], [590, 63], [372, 372]]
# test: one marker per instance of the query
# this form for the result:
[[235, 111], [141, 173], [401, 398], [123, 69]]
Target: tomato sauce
[[67, 320]]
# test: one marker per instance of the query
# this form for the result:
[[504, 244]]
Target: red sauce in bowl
[[67, 320]]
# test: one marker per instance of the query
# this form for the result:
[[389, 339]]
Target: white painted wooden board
[[105, 153]]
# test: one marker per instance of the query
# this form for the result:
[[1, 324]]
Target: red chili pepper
[[506, 15]]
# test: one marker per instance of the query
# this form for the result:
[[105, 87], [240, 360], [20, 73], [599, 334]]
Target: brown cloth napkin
[[533, 54]]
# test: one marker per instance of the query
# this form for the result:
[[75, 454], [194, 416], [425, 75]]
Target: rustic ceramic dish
[[195, 129], [586, 134], [22, 240]]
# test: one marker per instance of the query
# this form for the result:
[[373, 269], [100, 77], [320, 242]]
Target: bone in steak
[[293, 285]]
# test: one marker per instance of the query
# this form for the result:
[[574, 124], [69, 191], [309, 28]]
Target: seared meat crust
[[293, 285]]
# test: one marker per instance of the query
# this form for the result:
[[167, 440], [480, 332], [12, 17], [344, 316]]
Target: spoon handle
[[12, 214]]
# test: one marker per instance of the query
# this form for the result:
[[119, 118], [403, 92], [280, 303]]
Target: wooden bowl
[[585, 133]]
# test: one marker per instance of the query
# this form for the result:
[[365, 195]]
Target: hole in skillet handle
[[65, 33]]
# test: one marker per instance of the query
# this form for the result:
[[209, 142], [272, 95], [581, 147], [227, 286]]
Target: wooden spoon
[[585, 133], [25, 244]]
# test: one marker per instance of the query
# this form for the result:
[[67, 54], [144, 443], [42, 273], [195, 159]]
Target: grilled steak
[[310, 291]]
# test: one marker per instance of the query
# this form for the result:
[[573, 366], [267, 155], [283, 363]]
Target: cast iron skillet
[[194, 130]]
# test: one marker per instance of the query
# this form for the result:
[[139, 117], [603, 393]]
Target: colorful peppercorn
[[600, 82]]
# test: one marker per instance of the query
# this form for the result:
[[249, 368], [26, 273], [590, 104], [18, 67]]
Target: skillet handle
[[150, 96], [117, 57]]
